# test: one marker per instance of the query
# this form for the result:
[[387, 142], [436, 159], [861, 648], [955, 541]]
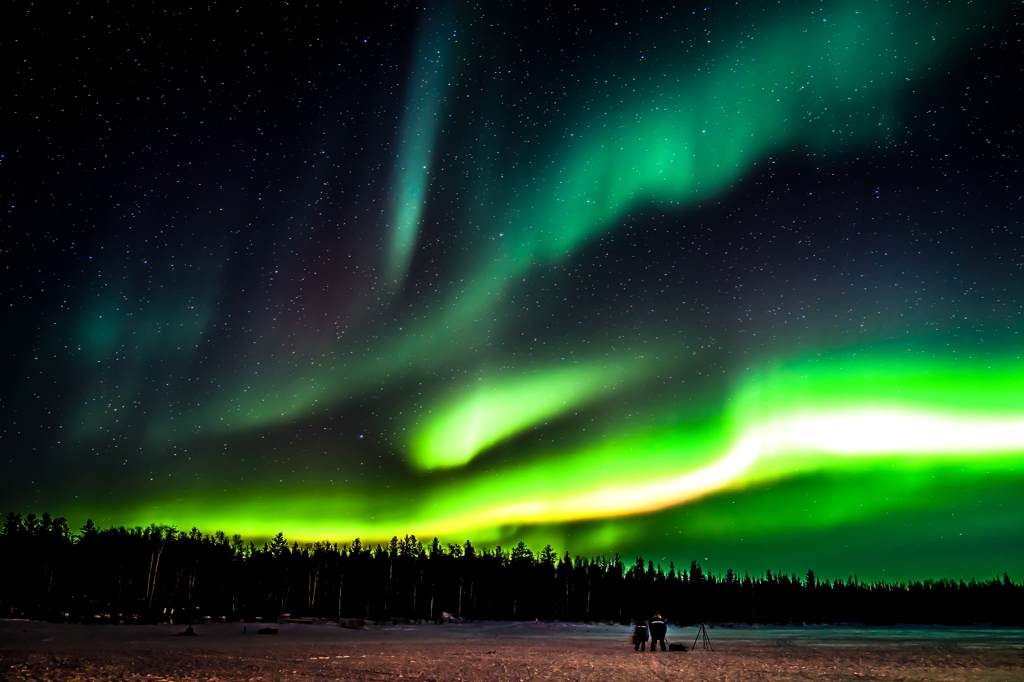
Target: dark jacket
[[640, 633], [658, 629]]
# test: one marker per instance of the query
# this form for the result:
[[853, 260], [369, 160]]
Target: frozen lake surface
[[503, 651]]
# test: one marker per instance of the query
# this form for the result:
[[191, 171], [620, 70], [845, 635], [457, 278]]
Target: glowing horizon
[[763, 442]]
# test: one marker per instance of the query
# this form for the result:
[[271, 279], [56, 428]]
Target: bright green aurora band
[[482, 391], [807, 416]]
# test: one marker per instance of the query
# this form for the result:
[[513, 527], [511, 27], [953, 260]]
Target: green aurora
[[569, 299], [827, 85], [899, 424]]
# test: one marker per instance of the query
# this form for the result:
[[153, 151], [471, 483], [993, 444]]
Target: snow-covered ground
[[502, 651]]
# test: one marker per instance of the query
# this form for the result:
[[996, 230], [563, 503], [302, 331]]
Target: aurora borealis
[[741, 282]]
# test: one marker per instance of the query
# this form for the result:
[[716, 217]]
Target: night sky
[[737, 282]]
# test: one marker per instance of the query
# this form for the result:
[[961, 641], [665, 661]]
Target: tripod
[[702, 635]]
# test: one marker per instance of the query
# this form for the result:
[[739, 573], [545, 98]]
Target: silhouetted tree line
[[160, 573]]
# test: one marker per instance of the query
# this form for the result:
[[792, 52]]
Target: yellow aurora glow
[[806, 438], [558, 489]]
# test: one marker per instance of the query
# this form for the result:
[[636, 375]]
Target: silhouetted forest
[[159, 574]]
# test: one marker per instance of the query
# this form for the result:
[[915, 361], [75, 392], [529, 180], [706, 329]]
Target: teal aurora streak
[[827, 86]]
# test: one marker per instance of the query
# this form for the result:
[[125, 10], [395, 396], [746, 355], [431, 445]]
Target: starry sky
[[737, 282]]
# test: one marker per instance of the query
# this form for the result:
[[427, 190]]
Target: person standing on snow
[[658, 630], [640, 635]]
